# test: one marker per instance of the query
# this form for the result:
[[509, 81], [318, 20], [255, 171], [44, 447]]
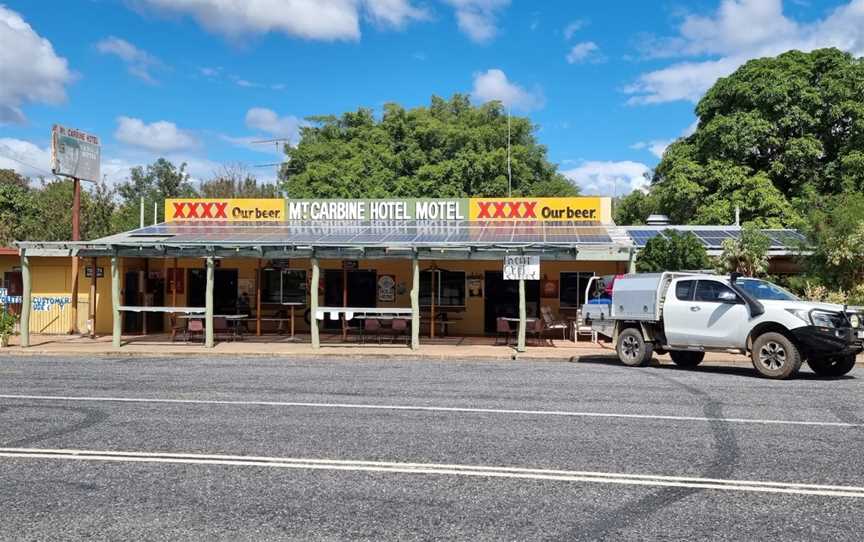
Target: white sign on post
[[522, 267], [75, 154]]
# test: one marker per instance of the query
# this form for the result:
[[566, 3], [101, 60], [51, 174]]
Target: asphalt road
[[411, 450]]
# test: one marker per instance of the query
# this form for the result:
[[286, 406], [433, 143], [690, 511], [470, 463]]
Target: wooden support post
[[26, 299], [92, 302], [76, 236], [313, 303], [117, 324], [142, 284], [174, 287], [520, 343], [258, 299], [344, 303], [208, 303], [432, 306], [415, 302]]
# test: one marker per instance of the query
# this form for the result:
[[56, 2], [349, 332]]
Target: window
[[449, 288], [714, 292], [572, 289], [283, 286], [684, 290]]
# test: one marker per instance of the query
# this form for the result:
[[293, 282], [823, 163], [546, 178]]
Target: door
[[361, 291], [14, 285], [705, 313], [132, 321], [224, 290], [502, 299]]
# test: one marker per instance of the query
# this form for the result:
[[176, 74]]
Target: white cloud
[[30, 70], [581, 51], [161, 136], [573, 27], [656, 147], [478, 18], [609, 178], [494, 85], [394, 12], [138, 62], [24, 157], [738, 31], [309, 19], [268, 121]]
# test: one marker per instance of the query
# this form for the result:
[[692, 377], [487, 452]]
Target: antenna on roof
[[509, 171]]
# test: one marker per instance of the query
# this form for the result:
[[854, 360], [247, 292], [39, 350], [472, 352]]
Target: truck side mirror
[[727, 297]]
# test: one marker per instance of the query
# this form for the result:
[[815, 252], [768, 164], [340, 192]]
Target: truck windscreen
[[763, 290]]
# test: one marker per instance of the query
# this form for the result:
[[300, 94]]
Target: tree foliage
[[449, 149], [235, 181], [747, 254], [155, 183], [771, 137], [673, 251]]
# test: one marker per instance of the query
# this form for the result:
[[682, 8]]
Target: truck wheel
[[687, 359], [775, 356], [632, 349], [832, 366]]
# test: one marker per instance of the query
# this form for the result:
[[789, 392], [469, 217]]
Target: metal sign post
[[77, 155]]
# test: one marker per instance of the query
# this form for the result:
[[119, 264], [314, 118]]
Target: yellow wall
[[52, 277]]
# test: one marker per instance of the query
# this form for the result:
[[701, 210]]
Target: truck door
[[718, 315], [677, 315]]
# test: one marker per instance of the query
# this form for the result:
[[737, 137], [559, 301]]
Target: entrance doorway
[[361, 291], [502, 299], [224, 290], [132, 321]]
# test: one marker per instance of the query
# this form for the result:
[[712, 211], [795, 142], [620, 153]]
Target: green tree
[[837, 242], [673, 251], [235, 181], [770, 137], [16, 207], [449, 149], [155, 183], [52, 216], [748, 254]]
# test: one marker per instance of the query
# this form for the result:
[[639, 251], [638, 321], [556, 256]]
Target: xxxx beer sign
[[594, 209], [591, 209], [231, 210]]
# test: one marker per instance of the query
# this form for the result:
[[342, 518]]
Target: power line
[[23, 163]]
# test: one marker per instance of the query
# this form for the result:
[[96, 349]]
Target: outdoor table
[[234, 319], [138, 308]]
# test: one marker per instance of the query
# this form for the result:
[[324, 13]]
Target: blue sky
[[608, 83]]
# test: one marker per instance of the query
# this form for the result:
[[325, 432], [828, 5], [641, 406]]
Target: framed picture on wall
[[475, 286], [548, 288], [386, 288]]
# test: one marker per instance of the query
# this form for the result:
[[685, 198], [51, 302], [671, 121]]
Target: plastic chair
[[502, 327], [370, 326], [195, 326], [399, 326], [552, 323]]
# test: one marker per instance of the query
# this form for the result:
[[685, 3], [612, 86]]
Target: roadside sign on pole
[[521, 267], [75, 154]]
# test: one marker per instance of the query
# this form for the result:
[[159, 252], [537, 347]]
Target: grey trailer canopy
[[429, 239]]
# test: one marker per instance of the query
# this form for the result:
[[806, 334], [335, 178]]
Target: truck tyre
[[833, 365], [632, 349], [775, 356], [686, 359]]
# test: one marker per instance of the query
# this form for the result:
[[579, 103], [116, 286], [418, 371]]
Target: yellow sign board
[[227, 209], [589, 209]]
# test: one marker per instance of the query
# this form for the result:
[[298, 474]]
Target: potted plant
[[7, 327]]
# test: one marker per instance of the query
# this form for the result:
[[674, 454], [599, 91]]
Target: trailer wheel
[[686, 359], [775, 356], [632, 349], [832, 366]]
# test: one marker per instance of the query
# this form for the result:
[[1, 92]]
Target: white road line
[[420, 408], [438, 469]]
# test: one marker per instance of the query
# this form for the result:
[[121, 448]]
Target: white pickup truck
[[687, 315]]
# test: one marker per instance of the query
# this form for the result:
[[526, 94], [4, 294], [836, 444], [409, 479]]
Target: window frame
[[692, 290], [581, 291], [438, 282], [301, 295], [719, 302]]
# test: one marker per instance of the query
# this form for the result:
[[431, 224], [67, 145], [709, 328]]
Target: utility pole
[[76, 236], [509, 171]]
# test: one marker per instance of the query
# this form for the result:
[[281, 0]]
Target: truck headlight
[[855, 320], [800, 314], [822, 319]]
